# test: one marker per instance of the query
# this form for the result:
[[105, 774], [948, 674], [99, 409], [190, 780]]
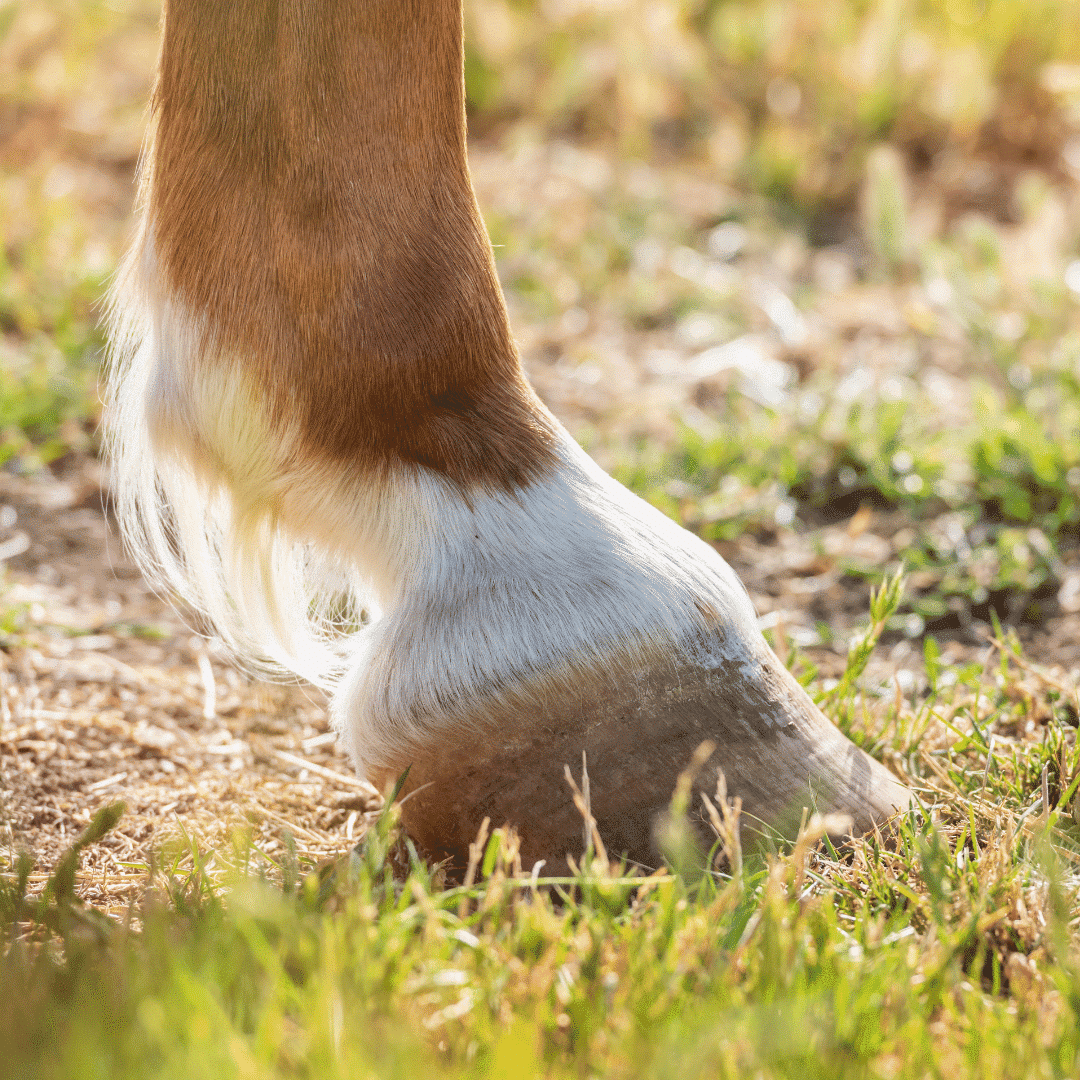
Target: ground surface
[[109, 694]]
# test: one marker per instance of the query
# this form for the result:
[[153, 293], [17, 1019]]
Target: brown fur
[[309, 198]]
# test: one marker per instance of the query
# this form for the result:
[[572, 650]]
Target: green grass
[[948, 952], [49, 312], [789, 98]]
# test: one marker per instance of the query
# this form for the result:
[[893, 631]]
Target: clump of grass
[[993, 502]]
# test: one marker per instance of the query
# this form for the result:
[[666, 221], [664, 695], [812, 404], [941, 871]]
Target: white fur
[[463, 598], [498, 592]]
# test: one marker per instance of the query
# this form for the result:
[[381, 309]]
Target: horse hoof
[[777, 751]]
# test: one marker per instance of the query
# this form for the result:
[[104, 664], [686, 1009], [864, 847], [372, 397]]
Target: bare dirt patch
[[106, 695]]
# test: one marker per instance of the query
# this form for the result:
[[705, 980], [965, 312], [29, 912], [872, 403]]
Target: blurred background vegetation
[[786, 98], [771, 260]]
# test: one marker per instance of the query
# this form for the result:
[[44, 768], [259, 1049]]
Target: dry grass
[[106, 694]]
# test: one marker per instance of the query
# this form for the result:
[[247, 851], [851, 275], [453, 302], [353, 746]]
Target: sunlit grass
[[788, 97], [947, 950]]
